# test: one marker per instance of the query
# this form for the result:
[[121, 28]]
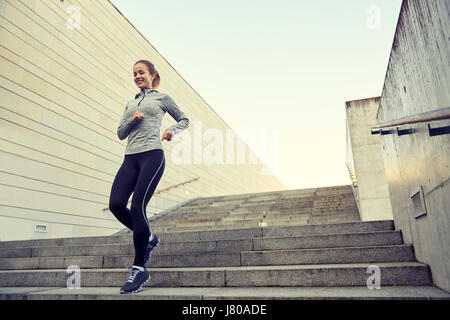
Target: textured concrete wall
[[417, 81], [63, 90], [372, 189]]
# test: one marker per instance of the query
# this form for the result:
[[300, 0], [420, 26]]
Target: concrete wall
[[372, 190], [417, 81], [63, 90]]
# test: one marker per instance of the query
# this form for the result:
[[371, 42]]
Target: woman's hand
[[168, 135], [137, 116]]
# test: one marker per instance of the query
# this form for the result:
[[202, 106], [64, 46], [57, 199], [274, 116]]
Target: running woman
[[143, 164]]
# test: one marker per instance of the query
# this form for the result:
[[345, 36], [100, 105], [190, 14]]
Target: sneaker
[[150, 246], [138, 277]]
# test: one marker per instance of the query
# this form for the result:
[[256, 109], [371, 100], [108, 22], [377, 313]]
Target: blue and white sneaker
[[138, 277], [152, 244]]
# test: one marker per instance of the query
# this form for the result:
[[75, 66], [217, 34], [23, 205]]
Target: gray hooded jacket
[[144, 134]]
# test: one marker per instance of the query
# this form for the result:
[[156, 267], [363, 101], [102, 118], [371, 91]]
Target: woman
[[143, 164]]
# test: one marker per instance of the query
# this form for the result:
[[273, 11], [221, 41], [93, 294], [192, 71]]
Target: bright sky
[[284, 67]]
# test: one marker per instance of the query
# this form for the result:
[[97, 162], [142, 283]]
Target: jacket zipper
[[141, 99]]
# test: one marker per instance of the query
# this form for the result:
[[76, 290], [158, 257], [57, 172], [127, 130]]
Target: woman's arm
[[125, 125], [171, 107]]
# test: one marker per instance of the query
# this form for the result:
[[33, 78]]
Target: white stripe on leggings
[[143, 200]]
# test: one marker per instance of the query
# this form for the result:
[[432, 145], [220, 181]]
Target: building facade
[[365, 157], [66, 76], [417, 85]]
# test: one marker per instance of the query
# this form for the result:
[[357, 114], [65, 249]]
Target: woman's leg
[[151, 167], [121, 190]]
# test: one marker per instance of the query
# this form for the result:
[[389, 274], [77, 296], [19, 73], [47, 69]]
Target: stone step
[[193, 215], [247, 214], [286, 212], [221, 234], [179, 229], [256, 232], [333, 207], [227, 203], [198, 203], [331, 275], [369, 254], [123, 257], [333, 195], [377, 238], [168, 245], [297, 196], [184, 224], [330, 210], [227, 293], [287, 217], [339, 199], [274, 221], [259, 203], [234, 232], [241, 210], [328, 220], [255, 200], [249, 222], [339, 211], [296, 207], [195, 219], [255, 217], [184, 215], [335, 218], [236, 219], [242, 222], [244, 210], [221, 225], [286, 220], [205, 210]]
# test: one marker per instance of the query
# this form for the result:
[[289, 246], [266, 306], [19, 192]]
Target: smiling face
[[142, 76]]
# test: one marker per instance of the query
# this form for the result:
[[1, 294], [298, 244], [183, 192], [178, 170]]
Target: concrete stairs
[[243, 247], [280, 208]]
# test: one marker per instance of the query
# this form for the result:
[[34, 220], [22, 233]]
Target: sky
[[281, 68]]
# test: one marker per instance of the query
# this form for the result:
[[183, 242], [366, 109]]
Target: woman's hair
[[152, 70]]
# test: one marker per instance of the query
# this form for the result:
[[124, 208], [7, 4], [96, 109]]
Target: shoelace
[[133, 275]]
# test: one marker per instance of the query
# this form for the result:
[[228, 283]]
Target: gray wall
[[367, 158], [418, 81]]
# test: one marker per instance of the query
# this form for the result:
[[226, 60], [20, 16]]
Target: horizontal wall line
[[56, 194], [70, 224], [79, 72], [52, 183], [64, 142], [52, 165], [59, 105], [59, 33], [57, 213]]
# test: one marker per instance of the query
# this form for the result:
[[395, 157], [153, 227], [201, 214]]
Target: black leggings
[[140, 172]]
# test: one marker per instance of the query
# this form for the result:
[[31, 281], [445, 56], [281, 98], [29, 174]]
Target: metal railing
[[441, 114], [177, 185], [352, 175]]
